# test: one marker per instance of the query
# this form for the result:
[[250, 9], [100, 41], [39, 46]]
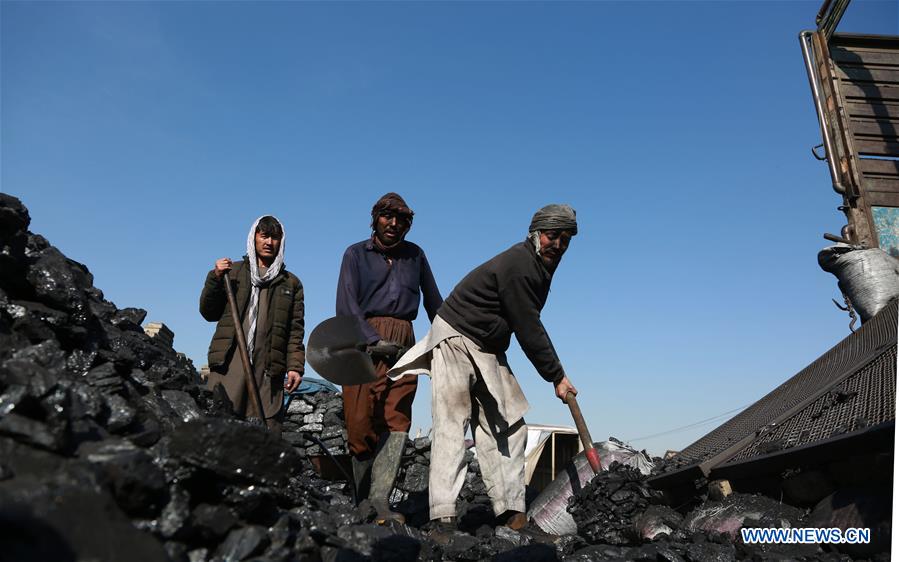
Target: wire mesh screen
[[849, 356], [865, 399]]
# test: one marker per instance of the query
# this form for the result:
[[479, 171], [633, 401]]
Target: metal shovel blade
[[335, 351]]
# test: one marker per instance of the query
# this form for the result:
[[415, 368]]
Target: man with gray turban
[[471, 382]]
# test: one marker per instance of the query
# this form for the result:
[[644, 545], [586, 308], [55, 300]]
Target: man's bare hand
[[221, 266], [564, 387], [292, 381]]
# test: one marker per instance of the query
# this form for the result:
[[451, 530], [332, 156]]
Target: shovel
[[589, 450], [338, 351], [252, 389]]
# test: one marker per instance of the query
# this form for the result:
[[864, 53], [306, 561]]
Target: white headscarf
[[257, 281]]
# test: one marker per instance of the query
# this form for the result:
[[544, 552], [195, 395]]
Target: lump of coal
[[213, 521], [235, 449], [138, 485], [65, 518], [242, 543], [183, 404]]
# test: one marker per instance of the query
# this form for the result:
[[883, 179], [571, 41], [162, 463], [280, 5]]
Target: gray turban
[[554, 217]]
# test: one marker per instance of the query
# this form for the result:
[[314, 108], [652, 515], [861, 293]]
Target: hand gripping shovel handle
[[592, 455], [252, 389]]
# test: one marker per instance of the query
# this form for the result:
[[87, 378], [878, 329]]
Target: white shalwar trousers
[[459, 397], [470, 387]]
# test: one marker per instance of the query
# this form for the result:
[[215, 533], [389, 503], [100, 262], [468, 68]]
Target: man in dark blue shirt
[[382, 280]]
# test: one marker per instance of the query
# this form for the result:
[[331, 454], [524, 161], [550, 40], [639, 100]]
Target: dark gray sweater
[[505, 295]]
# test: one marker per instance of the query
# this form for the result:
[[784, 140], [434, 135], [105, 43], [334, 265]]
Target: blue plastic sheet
[[310, 385]]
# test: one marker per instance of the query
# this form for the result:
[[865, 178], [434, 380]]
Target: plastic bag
[[869, 277], [736, 511]]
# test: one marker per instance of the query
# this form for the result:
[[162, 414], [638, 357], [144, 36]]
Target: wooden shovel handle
[[589, 450], [249, 378]]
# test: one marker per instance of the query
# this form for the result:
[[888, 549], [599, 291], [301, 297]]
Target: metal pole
[[829, 17], [250, 379], [804, 38]]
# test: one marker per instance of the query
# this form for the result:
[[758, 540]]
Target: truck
[[855, 87]]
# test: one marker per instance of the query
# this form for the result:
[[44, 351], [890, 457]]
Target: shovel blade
[[335, 352]]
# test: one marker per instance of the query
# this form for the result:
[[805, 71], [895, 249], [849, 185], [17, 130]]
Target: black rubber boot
[[361, 478], [383, 475]]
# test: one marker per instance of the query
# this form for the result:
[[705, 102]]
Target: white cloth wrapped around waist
[[492, 368]]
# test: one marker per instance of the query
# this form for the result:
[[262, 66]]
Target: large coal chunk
[[24, 460], [416, 478], [235, 450], [256, 504], [70, 521], [37, 366], [598, 552], [174, 522], [710, 552], [119, 413], [213, 521], [14, 221], [129, 319], [14, 217], [361, 538], [24, 537], [58, 281], [138, 485], [183, 404], [36, 321], [528, 553], [33, 432], [243, 542]]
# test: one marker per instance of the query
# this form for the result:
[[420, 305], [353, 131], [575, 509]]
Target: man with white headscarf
[[270, 305], [471, 382]]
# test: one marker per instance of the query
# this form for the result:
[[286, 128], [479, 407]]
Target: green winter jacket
[[287, 352]]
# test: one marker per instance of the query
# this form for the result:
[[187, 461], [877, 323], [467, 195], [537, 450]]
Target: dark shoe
[[514, 520], [383, 476], [442, 530], [386, 514]]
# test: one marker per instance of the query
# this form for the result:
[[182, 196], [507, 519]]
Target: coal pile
[[318, 414], [605, 509], [620, 517], [110, 451]]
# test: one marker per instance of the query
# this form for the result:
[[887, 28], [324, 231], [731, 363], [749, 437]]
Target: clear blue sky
[[146, 137]]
